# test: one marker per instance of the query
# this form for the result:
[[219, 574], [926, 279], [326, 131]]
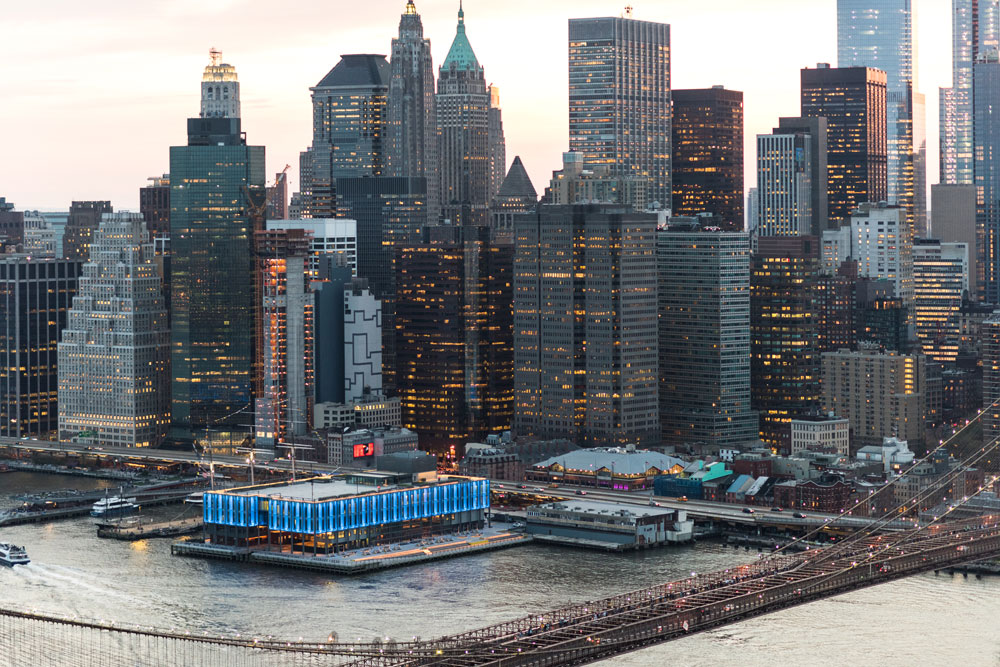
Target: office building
[[940, 282], [954, 208], [881, 320], [411, 134], [40, 239], [350, 121], [882, 245], [35, 298], [853, 101], [517, 195], [619, 99], [576, 183], [454, 348], [986, 168], [881, 394], [991, 381], [84, 217], [707, 145], [368, 412], [463, 120], [360, 447], [826, 433], [277, 197], [497, 143], [329, 288], [336, 236], [879, 34], [784, 185], [975, 26], [585, 325], [154, 204], [784, 362], [11, 224], [835, 308], [114, 376], [816, 129], [362, 342], [216, 203], [704, 336], [285, 337]]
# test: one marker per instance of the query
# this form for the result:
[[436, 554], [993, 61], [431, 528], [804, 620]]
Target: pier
[[138, 530]]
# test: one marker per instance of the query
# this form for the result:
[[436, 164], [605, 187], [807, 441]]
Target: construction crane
[[260, 210]]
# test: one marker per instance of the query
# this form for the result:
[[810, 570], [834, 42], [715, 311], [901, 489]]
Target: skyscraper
[[216, 203], [784, 185], [882, 245], [463, 122], [975, 30], [585, 325], [707, 144], [986, 133], [853, 100], [991, 382], [84, 217], [784, 363], [879, 34], [940, 277], [516, 195], [154, 204], [704, 336], [619, 98], [816, 128], [412, 129], [498, 145], [114, 376], [349, 128], [954, 208], [35, 297]]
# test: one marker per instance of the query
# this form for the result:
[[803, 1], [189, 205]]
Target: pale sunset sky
[[93, 94]]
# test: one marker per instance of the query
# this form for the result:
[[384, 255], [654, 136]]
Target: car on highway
[[799, 515], [682, 499], [777, 509], [522, 486], [653, 503], [748, 510], [581, 492]]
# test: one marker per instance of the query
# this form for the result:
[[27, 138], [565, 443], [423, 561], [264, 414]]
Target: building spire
[[461, 14], [411, 9]]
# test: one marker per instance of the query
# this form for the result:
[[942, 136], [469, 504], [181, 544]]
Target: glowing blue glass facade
[[328, 516]]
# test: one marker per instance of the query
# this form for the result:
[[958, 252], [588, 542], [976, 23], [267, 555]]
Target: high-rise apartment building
[[975, 28], [411, 133], [619, 99], [35, 298], [463, 122], [784, 185], [940, 280], [84, 217], [216, 203], [284, 370], [882, 245], [585, 325], [784, 361], [114, 375], [853, 101], [986, 168], [707, 145], [881, 394], [454, 351], [704, 336], [350, 121], [879, 34]]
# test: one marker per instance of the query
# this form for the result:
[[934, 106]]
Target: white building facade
[[330, 236], [362, 342], [821, 434], [784, 186], [114, 356], [882, 244]]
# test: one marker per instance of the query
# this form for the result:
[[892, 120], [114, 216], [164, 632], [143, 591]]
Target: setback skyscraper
[[879, 34], [113, 359], [619, 99], [853, 101], [216, 203], [412, 129]]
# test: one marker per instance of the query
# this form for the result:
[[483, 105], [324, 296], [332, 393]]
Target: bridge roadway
[[699, 509]]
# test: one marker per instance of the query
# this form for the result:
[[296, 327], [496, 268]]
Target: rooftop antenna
[[215, 56], [628, 11]]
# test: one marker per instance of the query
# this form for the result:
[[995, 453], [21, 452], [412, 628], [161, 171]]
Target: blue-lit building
[[332, 514]]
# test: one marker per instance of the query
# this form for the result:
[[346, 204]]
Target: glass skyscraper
[[879, 34], [619, 98], [986, 131], [216, 202]]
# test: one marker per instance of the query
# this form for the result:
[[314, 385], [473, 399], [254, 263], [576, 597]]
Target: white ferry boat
[[11, 555], [114, 507]]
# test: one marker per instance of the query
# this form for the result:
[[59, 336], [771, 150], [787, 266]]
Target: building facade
[[35, 298], [619, 99], [516, 195], [940, 283], [84, 218], [362, 342], [577, 184], [986, 168], [824, 434], [585, 325], [784, 185], [882, 245], [336, 237], [707, 145], [704, 337], [114, 375], [154, 204]]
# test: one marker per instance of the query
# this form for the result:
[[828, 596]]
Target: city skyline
[[128, 84]]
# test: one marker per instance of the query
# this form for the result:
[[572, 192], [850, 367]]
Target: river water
[[925, 620]]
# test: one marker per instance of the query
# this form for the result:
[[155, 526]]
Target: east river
[[925, 620]]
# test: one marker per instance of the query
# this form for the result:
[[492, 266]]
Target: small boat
[[114, 507], [11, 555]]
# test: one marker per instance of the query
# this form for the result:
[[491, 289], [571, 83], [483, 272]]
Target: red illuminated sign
[[366, 449]]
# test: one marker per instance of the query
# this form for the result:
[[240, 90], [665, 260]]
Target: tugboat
[[113, 507], [11, 555]]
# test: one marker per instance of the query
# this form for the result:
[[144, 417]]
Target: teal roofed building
[[461, 55]]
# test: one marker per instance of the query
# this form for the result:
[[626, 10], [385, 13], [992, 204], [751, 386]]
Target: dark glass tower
[[708, 153], [619, 98], [216, 203], [853, 101], [412, 129], [986, 130]]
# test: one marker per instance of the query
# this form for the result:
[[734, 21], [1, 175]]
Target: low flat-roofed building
[[330, 514], [623, 468], [618, 527], [357, 448], [825, 433], [368, 412]]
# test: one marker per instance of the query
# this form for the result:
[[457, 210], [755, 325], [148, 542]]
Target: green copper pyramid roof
[[461, 52]]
